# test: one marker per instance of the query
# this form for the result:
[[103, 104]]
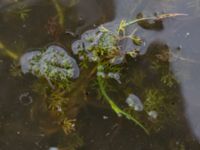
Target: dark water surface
[[25, 123]]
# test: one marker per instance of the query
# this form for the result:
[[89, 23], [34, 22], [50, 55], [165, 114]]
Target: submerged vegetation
[[101, 47], [23, 12], [5, 51], [103, 59]]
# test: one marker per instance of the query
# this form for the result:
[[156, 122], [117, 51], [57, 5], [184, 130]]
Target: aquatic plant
[[56, 100], [154, 100], [9, 53], [56, 104], [60, 12], [168, 79], [103, 48], [68, 125], [23, 12], [15, 70], [116, 108], [73, 142], [54, 64]]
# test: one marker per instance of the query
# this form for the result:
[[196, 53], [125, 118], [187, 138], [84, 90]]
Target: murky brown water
[[26, 124]]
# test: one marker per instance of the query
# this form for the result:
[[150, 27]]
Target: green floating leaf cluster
[[101, 45], [54, 64]]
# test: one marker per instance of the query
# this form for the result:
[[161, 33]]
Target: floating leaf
[[54, 64]]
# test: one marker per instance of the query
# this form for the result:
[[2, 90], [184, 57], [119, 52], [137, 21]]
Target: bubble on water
[[101, 74], [115, 76], [153, 114], [25, 99], [53, 148], [134, 102]]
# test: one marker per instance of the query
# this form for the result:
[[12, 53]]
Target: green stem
[[59, 10], [8, 52], [160, 17], [117, 110], [137, 20]]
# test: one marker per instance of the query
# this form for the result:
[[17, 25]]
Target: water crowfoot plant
[[103, 48]]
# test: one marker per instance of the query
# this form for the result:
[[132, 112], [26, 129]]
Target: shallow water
[[24, 120]]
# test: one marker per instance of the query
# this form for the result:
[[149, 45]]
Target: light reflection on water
[[180, 32], [188, 71]]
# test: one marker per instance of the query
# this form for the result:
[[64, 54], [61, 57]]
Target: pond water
[[171, 49]]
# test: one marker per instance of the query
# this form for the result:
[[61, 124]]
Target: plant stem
[[8, 52], [116, 109], [159, 17], [137, 20], [61, 18]]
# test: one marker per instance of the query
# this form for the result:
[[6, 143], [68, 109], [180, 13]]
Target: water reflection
[[188, 71], [182, 33]]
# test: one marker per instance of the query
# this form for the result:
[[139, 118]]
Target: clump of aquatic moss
[[23, 12], [154, 100], [168, 80]]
